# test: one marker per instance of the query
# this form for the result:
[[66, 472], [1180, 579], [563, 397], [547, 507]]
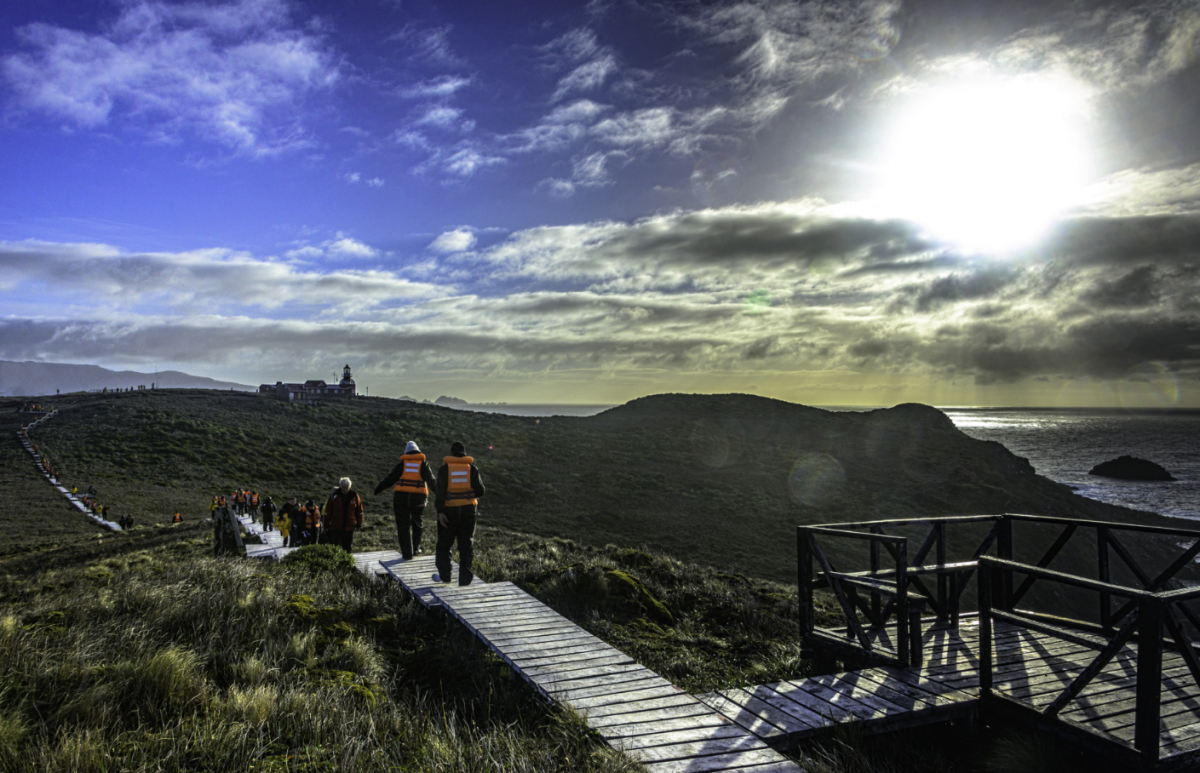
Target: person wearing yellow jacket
[[458, 490], [283, 522]]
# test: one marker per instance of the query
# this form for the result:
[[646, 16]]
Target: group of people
[[457, 488]]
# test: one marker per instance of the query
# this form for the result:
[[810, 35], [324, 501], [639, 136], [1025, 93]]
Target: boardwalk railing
[[1148, 619], [883, 587]]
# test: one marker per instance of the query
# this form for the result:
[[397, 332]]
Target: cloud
[[458, 240], [586, 172], [101, 276], [443, 86], [431, 45], [235, 74], [440, 116], [781, 288], [585, 77]]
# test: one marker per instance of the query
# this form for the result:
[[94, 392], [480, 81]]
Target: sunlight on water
[[1064, 445]]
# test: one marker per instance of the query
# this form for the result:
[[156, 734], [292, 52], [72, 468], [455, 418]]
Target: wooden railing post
[[1149, 678], [876, 603], [903, 643], [804, 589], [942, 590], [1104, 575], [1002, 592], [986, 576]]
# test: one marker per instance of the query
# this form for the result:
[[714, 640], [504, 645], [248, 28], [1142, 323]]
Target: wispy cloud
[[234, 74], [458, 240]]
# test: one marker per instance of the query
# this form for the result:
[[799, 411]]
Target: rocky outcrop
[[1131, 468]]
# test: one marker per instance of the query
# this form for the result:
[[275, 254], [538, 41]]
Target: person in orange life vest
[[411, 480], [310, 530], [177, 518], [253, 500], [458, 490], [343, 515]]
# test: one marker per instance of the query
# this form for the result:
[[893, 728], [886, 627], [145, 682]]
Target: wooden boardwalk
[[76, 502], [1029, 666]]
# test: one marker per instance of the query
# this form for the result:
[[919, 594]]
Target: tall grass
[[140, 664]]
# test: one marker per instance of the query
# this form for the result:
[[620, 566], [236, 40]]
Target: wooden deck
[[1030, 667], [76, 502]]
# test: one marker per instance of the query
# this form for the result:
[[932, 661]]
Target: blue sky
[[829, 202]]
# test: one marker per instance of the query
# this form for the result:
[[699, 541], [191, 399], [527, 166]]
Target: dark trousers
[[344, 539], [461, 530], [408, 509], [268, 522]]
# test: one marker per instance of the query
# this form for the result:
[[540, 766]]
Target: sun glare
[[987, 165]]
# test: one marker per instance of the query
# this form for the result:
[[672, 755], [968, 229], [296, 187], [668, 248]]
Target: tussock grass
[[137, 664]]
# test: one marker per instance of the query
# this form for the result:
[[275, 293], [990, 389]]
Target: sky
[[835, 202]]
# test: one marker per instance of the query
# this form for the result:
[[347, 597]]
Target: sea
[[1061, 444]]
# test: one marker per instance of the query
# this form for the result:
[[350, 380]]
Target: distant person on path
[[343, 515], [458, 490], [295, 515], [268, 514], [412, 480], [283, 524], [177, 518], [254, 505]]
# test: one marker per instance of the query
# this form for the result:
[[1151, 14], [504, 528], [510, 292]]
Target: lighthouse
[[347, 383]]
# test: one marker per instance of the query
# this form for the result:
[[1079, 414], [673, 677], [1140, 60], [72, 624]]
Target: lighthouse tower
[[347, 383]]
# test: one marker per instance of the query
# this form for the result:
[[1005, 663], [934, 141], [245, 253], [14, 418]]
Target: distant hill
[[721, 479], [43, 378]]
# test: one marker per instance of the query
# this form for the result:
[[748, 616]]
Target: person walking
[[295, 515], [458, 490], [343, 515], [411, 480], [254, 505], [268, 514], [283, 523], [310, 528]]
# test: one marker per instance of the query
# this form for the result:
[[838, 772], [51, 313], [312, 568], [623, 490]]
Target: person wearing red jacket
[[343, 515]]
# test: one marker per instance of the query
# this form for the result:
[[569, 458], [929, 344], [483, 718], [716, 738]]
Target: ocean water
[[1064, 444]]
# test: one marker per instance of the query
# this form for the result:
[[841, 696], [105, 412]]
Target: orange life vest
[[312, 517], [411, 481], [254, 499], [220, 501], [458, 488], [241, 497], [177, 519]]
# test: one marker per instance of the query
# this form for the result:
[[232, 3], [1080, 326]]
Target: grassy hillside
[[718, 479], [137, 651]]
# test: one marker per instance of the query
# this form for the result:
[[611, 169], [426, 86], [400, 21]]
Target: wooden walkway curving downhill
[[632, 708]]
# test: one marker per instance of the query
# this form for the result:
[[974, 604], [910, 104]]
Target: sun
[[987, 164]]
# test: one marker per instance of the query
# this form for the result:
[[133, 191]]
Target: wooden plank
[[638, 674], [635, 730], [624, 699], [694, 709], [567, 667], [574, 635], [715, 762], [522, 652], [753, 722], [793, 720], [562, 675], [797, 691], [586, 690], [692, 750], [687, 733]]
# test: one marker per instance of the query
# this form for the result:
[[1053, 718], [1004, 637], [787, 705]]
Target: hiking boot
[[437, 577]]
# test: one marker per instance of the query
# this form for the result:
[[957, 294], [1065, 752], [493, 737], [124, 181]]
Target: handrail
[[1063, 577], [1164, 530]]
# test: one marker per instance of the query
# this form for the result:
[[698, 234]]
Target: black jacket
[[394, 477], [443, 481]]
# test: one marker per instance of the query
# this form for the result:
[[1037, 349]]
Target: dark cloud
[[1138, 287]]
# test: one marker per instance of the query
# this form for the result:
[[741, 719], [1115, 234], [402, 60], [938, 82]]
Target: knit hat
[[411, 448], [458, 449]]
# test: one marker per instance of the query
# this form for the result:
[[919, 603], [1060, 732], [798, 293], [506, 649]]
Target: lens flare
[[816, 479]]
